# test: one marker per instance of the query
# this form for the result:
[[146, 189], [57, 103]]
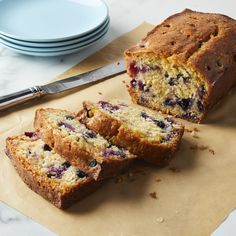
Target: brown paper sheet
[[192, 198]]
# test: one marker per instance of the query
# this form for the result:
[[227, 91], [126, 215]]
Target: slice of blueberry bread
[[46, 172], [78, 144], [146, 133], [184, 65]]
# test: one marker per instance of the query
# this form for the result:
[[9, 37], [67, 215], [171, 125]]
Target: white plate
[[59, 43], [55, 49], [54, 53], [50, 20]]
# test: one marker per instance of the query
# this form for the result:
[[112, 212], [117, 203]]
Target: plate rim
[[72, 42], [55, 49], [55, 53]]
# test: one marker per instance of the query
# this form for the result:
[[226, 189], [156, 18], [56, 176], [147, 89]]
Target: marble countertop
[[19, 72]]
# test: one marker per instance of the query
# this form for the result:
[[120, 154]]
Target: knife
[[62, 85]]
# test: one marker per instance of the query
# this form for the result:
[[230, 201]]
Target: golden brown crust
[[204, 42], [116, 131], [72, 151], [45, 187]]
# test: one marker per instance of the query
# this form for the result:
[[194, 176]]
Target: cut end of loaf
[[163, 84]]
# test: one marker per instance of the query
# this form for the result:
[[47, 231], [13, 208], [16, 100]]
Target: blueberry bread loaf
[[79, 145], [47, 173], [146, 133], [184, 65]]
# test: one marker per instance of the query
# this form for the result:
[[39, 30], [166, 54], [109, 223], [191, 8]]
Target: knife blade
[[62, 85]]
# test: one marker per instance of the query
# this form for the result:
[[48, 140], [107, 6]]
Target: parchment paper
[[191, 199]]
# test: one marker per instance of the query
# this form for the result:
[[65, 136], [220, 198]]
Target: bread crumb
[[174, 169], [127, 86], [211, 151], [153, 195], [123, 81], [158, 180], [195, 129], [203, 147], [99, 93], [160, 219], [194, 134], [194, 147]]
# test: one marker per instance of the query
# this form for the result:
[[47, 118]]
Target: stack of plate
[[52, 27]]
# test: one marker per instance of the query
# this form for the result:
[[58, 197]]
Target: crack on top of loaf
[[202, 42]]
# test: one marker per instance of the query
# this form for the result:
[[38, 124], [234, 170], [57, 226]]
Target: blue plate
[[50, 20], [55, 49], [59, 43], [53, 53]]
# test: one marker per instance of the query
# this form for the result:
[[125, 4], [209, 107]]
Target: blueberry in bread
[[80, 145], [184, 65], [46, 172], [146, 133]]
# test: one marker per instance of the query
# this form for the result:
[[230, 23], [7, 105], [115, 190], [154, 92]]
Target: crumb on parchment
[[202, 148], [194, 134], [160, 219], [211, 151], [194, 147], [153, 195], [158, 180], [195, 129]]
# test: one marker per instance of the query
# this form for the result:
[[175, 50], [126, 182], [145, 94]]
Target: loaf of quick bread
[[46, 172], [79, 145], [184, 65], [148, 134]]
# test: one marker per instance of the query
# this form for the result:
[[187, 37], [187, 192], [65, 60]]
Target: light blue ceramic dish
[[55, 49], [50, 20], [54, 53], [59, 43]]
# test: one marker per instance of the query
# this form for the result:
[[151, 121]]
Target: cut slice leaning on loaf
[[47, 173], [146, 133], [79, 145], [184, 65]]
